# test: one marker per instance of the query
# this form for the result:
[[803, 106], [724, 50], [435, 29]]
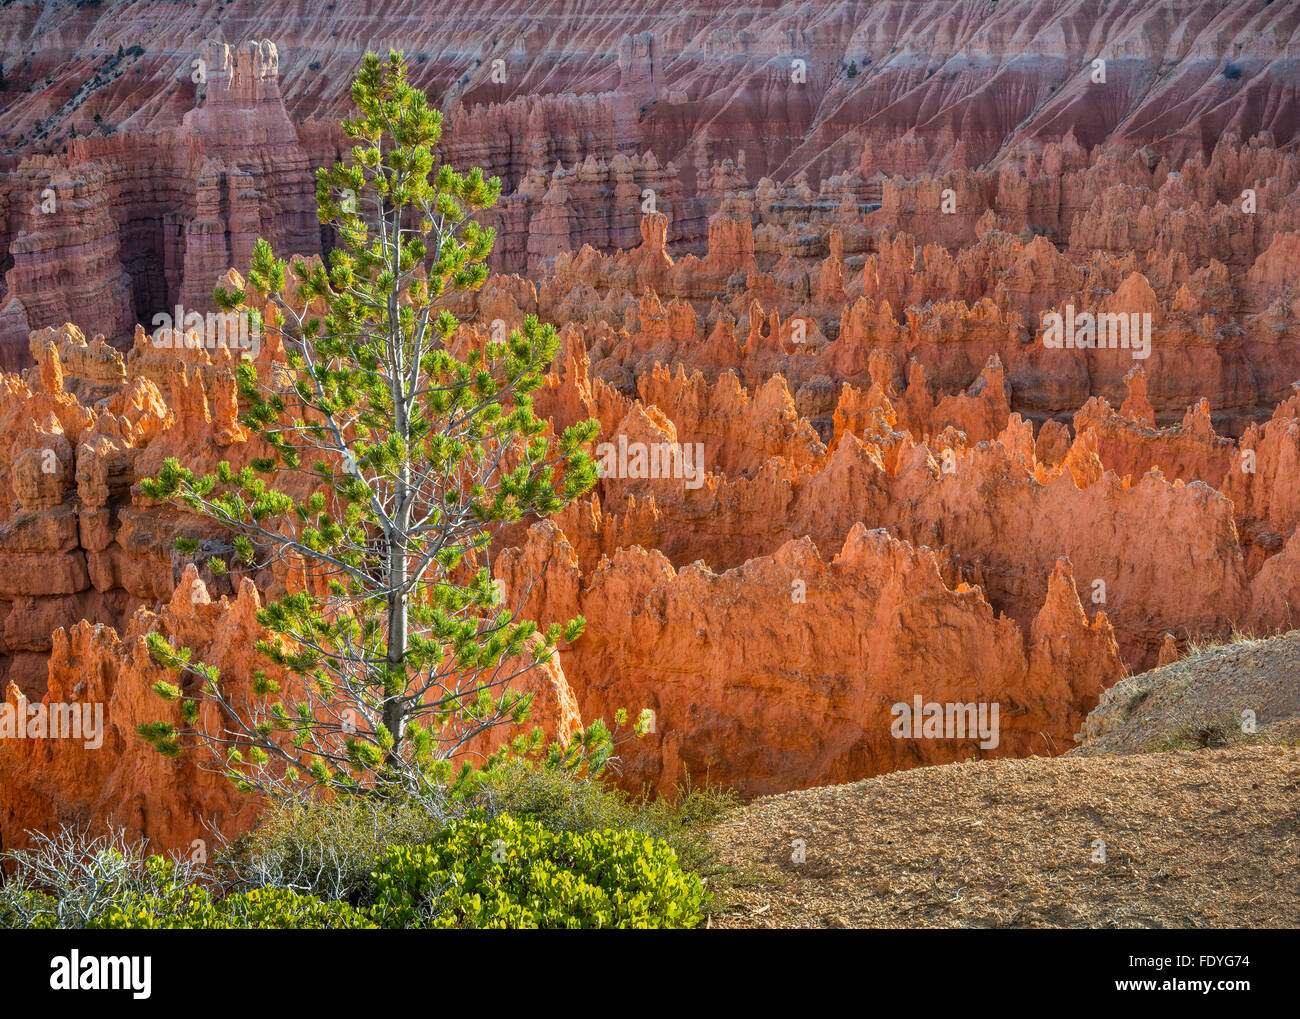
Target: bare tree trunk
[[395, 713]]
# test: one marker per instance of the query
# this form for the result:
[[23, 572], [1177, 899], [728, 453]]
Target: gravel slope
[[1200, 701], [1204, 838]]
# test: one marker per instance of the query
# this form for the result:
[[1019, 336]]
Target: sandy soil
[[1196, 838]]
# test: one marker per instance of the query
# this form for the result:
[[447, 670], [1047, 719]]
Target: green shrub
[[29, 910], [193, 907], [561, 804], [324, 848], [511, 873], [65, 880], [330, 849]]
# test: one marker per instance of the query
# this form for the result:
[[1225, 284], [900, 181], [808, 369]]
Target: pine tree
[[414, 448]]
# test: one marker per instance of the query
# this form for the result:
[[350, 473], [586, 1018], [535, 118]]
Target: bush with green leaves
[[72, 880], [589, 856], [505, 872], [331, 848], [682, 818], [25, 909], [67, 879], [325, 848], [193, 907]]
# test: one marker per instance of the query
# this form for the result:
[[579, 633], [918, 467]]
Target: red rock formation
[[717, 77], [116, 778], [693, 647], [900, 488], [139, 224], [66, 259]]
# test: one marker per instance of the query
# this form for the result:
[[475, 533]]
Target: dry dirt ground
[[1170, 813], [1203, 838]]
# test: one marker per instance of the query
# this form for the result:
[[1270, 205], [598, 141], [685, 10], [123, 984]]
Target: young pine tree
[[407, 451]]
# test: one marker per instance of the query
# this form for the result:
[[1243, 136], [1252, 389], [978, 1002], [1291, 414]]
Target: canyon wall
[[125, 227], [867, 304], [583, 114]]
